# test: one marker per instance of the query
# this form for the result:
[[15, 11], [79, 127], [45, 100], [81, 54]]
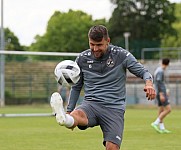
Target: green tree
[[174, 40], [12, 43], [66, 32], [146, 20]]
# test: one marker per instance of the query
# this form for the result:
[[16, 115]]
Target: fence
[[159, 53], [135, 94], [28, 82]]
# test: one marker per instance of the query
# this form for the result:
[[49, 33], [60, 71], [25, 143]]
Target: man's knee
[[80, 117], [111, 146], [168, 109]]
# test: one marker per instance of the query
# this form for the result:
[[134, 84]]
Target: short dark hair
[[98, 32], [165, 61]]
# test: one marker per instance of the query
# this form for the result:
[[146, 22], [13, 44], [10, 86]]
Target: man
[[162, 97], [103, 74]]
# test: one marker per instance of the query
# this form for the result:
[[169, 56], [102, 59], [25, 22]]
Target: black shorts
[[165, 103], [110, 120]]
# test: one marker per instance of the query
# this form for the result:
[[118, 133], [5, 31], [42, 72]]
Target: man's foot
[[155, 127], [56, 103], [165, 131]]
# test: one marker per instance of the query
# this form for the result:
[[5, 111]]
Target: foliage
[[146, 20], [66, 32], [12, 43], [150, 23], [171, 40]]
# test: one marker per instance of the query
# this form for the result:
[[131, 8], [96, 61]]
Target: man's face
[[99, 48]]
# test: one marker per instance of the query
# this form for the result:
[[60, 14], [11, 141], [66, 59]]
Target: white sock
[[69, 121], [162, 127], [157, 121]]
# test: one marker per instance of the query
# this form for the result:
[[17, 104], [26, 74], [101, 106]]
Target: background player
[[162, 97]]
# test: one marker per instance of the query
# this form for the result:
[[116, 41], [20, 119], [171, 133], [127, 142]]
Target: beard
[[98, 54]]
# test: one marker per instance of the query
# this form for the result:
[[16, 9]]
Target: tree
[[174, 40], [66, 32], [12, 43], [146, 20]]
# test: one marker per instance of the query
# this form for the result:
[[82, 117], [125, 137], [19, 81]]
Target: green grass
[[43, 133]]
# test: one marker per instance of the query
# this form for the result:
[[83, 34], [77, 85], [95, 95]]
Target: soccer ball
[[67, 72]]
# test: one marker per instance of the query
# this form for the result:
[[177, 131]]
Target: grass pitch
[[43, 133]]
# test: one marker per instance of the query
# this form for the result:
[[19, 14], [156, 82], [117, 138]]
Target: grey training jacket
[[104, 79]]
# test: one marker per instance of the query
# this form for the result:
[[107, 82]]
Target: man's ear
[[108, 40]]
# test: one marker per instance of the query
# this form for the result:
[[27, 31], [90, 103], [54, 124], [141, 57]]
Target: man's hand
[[149, 90]]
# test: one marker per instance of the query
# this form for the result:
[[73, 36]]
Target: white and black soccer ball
[[67, 72]]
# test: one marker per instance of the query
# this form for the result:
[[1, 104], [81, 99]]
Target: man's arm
[[140, 71], [75, 92], [73, 98]]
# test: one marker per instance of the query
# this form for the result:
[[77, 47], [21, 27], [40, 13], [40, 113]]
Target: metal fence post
[[176, 93]]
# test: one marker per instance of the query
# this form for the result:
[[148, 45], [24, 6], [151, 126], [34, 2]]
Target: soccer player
[[164, 107], [103, 76]]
